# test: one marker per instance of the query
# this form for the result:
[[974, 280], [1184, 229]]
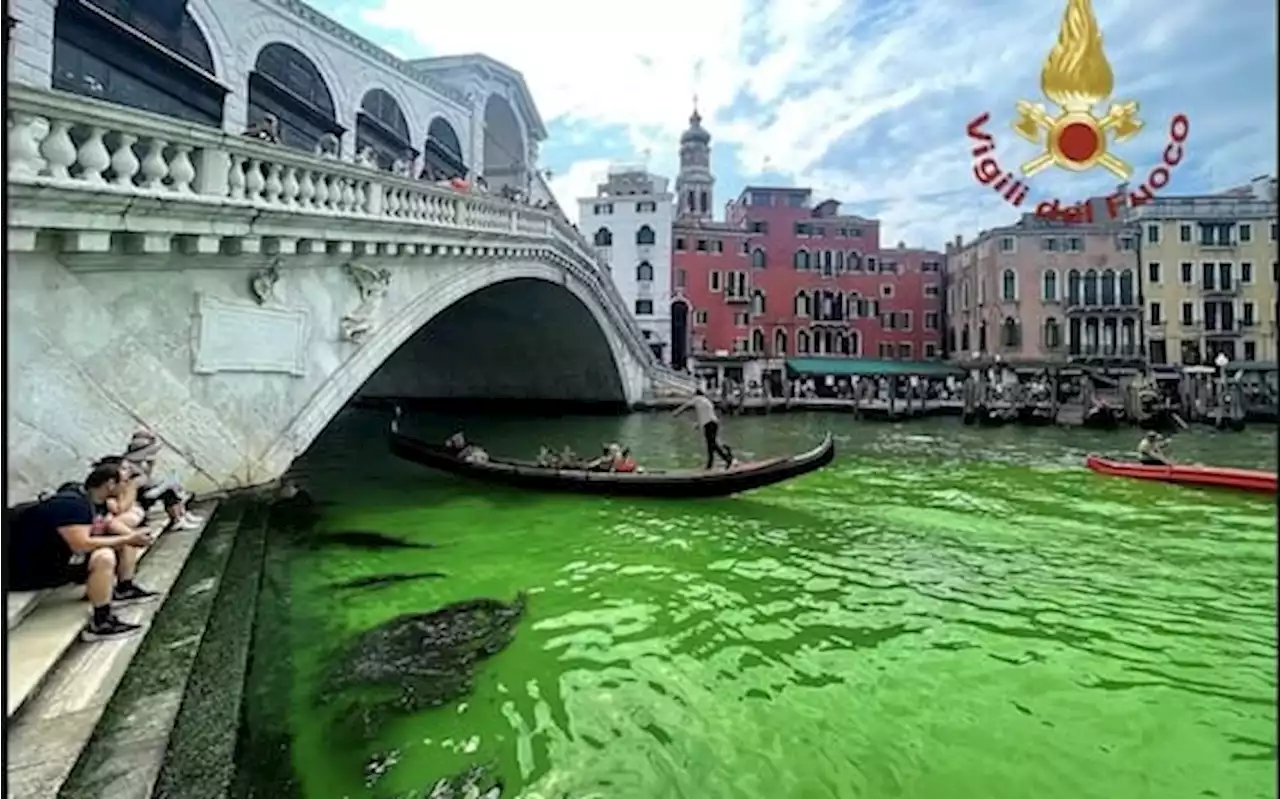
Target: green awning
[[870, 367]]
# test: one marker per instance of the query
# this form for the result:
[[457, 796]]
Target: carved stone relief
[[262, 285], [372, 285]]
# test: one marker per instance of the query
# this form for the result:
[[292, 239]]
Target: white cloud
[[866, 100], [579, 181]]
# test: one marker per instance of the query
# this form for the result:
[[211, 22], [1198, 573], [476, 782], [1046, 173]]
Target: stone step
[[124, 756], [199, 762], [59, 686]]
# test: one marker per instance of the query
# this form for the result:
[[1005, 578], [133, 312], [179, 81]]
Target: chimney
[[902, 245]]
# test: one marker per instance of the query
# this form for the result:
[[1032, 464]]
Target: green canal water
[[944, 613]]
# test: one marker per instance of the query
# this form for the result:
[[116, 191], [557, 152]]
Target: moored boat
[[684, 483], [1214, 476]]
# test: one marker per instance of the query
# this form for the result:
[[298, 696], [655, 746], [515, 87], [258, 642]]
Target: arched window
[[964, 339], [691, 201], [757, 302], [645, 236], [839, 262], [286, 84], [704, 202], [758, 260], [1050, 285], [855, 343], [380, 125], [119, 62], [982, 337], [854, 261], [757, 340], [604, 237], [1010, 333], [1091, 287], [1126, 288], [1108, 287], [1052, 334], [853, 306], [802, 306], [1009, 286], [842, 344], [1127, 338], [644, 272], [779, 342], [1073, 287], [801, 259], [828, 263], [802, 342], [443, 160]]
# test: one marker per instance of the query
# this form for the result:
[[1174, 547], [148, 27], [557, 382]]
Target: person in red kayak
[[1151, 450]]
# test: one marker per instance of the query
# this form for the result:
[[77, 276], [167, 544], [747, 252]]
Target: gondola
[[1188, 474], [676, 484]]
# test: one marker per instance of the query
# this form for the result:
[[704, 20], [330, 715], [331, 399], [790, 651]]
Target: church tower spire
[[695, 184]]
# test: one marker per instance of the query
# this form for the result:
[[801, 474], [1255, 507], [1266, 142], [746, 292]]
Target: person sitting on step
[[141, 453], [66, 538]]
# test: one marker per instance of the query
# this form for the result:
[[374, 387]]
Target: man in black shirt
[[64, 539]]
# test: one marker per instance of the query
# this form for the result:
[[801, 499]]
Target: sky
[[865, 101]]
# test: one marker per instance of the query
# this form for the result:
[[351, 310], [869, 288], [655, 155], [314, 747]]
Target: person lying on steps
[[66, 538]]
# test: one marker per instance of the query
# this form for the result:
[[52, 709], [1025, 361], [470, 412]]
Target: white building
[[629, 221]]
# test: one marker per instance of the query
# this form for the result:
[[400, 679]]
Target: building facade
[[629, 222], [1046, 291], [1209, 275], [783, 275]]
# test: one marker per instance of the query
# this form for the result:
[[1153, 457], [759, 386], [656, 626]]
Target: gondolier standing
[[705, 410]]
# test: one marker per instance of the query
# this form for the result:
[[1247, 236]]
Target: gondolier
[[709, 421]]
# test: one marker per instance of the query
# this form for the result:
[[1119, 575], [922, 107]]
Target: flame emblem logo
[[1077, 78]]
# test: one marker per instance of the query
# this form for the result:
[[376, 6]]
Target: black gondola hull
[[669, 485]]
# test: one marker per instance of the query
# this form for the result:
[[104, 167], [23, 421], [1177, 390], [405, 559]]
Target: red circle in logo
[[1078, 142]]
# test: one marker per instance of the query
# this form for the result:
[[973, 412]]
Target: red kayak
[[1217, 476]]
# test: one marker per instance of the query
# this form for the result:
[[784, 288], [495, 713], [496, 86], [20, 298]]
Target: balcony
[[1232, 330], [1216, 289], [1103, 351], [737, 297], [1078, 307]]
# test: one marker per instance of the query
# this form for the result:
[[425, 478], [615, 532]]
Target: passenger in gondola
[[1151, 450], [624, 462], [547, 459], [464, 450], [604, 463]]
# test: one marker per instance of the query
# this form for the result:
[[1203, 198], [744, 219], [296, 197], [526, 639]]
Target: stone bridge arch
[[602, 369]]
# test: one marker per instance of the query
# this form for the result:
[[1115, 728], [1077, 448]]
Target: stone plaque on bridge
[[235, 336]]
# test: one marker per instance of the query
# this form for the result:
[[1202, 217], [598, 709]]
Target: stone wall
[[99, 344]]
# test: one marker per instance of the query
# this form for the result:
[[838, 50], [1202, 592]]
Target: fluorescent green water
[[944, 613]]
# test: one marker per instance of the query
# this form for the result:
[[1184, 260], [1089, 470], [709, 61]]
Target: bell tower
[[695, 184]]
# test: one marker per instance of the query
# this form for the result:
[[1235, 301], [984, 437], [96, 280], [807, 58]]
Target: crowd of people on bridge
[[92, 533]]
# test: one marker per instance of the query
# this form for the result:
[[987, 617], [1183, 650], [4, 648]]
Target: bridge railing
[[62, 140]]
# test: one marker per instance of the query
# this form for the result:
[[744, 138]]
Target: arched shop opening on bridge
[[443, 154], [505, 149], [522, 339], [381, 126], [151, 56], [286, 84]]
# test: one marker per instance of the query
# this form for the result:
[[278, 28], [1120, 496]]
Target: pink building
[[1045, 291]]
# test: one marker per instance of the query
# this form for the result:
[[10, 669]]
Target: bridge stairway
[[94, 720]]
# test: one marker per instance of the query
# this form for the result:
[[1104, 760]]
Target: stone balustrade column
[[377, 193], [213, 166]]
